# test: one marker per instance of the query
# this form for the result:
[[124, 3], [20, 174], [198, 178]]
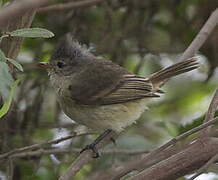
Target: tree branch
[[67, 6], [41, 152], [184, 162], [18, 8], [202, 36], [211, 112], [204, 167], [39, 145]]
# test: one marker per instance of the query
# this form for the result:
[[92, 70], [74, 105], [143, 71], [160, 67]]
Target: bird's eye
[[60, 64]]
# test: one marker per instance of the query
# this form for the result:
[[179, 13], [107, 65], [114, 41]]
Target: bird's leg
[[92, 146]]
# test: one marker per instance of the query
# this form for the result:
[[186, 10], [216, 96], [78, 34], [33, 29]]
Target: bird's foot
[[93, 148], [93, 145]]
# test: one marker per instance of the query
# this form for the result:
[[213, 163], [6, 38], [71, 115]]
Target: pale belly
[[115, 117]]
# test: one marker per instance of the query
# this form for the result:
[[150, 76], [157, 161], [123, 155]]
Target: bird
[[100, 94]]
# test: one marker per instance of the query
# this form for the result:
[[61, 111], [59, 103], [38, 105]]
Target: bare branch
[[39, 145], [67, 6], [117, 172], [184, 162], [211, 112], [41, 152], [202, 36], [18, 8], [80, 161]]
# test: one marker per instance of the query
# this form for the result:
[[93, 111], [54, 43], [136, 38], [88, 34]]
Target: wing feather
[[114, 85], [131, 88]]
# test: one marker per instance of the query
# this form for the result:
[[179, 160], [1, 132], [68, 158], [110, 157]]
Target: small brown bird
[[100, 94]]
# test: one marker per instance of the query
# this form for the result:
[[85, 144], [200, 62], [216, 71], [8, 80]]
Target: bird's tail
[[160, 77]]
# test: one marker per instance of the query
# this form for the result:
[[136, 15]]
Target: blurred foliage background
[[142, 36]]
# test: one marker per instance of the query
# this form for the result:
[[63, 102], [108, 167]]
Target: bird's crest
[[69, 47]]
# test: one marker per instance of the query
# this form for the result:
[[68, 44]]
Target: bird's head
[[68, 57]]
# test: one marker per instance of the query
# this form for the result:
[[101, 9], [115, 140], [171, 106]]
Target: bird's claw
[[93, 148]]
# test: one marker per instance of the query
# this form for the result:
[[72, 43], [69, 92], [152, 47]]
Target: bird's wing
[[96, 80], [109, 84], [129, 88]]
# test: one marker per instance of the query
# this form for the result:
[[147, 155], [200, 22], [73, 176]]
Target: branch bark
[[182, 163], [205, 167]]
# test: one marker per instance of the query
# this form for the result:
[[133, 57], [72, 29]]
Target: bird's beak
[[44, 65]]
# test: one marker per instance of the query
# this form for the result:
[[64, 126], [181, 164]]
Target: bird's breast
[[102, 117]]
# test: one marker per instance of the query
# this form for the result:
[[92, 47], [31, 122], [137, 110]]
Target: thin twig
[[202, 36], [39, 145], [70, 5], [41, 152], [211, 112]]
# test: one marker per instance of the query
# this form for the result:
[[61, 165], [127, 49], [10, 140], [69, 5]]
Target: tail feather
[[162, 76]]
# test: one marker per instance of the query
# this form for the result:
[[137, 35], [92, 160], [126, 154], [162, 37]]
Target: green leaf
[[5, 79], [2, 56], [4, 109], [16, 64], [32, 33]]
